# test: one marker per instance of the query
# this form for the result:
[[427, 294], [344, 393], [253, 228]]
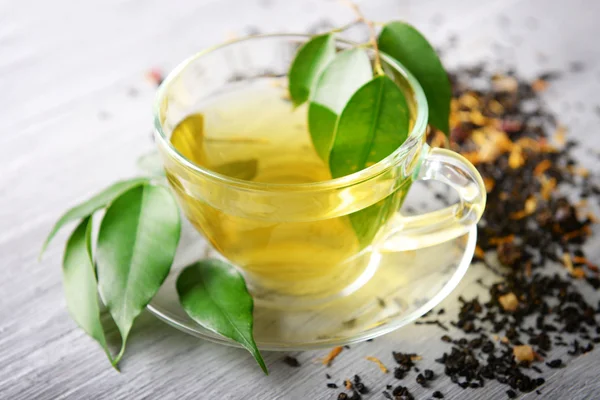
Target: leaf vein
[[222, 310], [126, 293], [373, 126]]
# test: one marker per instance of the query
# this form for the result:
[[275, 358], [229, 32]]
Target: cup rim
[[415, 135]]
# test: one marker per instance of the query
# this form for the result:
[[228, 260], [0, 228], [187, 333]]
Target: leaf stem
[[113, 362], [372, 37], [346, 27], [117, 359]]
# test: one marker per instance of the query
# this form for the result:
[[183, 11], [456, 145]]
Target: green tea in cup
[[254, 133], [240, 159]]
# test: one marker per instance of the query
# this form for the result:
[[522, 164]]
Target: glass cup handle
[[414, 232]]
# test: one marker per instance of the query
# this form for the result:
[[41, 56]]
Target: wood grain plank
[[72, 127]]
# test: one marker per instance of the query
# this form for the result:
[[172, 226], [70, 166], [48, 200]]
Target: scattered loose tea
[[155, 76], [428, 374], [399, 373], [511, 148], [361, 388], [402, 393], [379, 364], [432, 322], [291, 361], [523, 353], [358, 386], [405, 363], [536, 233], [332, 355], [355, 396], [555, 363], [509, 302]]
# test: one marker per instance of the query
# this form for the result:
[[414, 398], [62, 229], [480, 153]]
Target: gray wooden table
[[76, 110]]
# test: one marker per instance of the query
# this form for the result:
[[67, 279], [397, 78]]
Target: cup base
[[266, 298], [403, 287]]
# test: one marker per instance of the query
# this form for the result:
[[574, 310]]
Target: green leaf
[[87, 208], [245, 169], [136, 245], [404, 43], [79, 281], [367, 222], [310, 60], [373, 124], [348, 71], [214, 294]]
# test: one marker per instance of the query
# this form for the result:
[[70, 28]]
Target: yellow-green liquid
[[253, 133]]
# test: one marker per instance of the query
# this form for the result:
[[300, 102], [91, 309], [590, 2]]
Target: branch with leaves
[[357, 115], [136, 245]]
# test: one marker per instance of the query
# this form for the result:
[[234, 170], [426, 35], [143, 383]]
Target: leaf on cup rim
[[406, 44], [374, 123], [348, 71], [306, 67]]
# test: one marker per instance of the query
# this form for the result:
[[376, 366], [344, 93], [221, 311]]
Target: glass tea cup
[[303, 244]]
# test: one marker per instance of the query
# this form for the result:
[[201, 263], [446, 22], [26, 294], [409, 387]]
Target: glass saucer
[[405, 286]]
